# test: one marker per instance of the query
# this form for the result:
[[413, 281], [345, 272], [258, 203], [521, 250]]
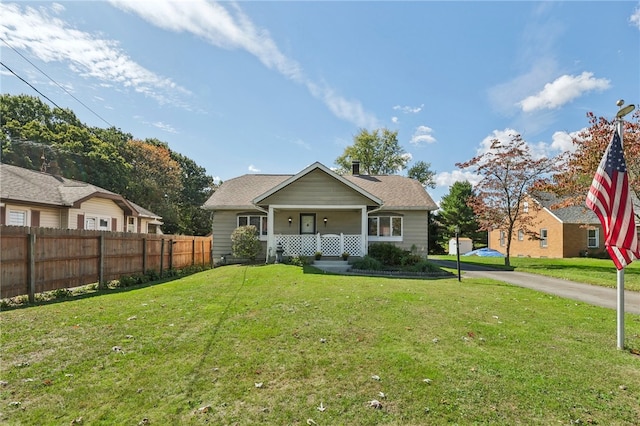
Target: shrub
[[245, 242], [423, 266], [410, 259], [387, 253], [298, 261], [368, 263]]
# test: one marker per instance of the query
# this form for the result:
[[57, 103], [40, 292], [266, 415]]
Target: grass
[[600, 272], [243, 345]]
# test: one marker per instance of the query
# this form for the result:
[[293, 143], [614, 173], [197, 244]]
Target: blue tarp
[[484, 252]]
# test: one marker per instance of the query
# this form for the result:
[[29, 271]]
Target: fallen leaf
[[375, 377], [258, 385], [374, 403]]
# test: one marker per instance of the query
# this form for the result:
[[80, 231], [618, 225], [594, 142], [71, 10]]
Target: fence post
[[32, 267], [171, 254], [161, 256], [101, 282]]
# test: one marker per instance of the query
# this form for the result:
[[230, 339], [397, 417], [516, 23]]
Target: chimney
[[355, 167]]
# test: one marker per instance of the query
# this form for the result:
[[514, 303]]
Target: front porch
[[328, 244]]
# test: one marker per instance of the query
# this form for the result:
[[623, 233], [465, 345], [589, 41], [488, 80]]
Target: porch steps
[[336, 266]]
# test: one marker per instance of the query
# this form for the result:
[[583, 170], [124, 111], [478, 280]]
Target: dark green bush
[[368, 263], [423, 266], [387, 253], [410, 259]]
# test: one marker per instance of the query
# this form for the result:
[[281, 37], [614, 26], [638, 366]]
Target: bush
[[423, 266], [245, 242], [411, 259], [298, 261], [387, 253], [368, 263]]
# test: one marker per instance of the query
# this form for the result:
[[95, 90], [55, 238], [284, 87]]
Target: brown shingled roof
[[397, 192]]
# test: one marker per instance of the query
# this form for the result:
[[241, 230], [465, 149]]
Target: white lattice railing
[[327, 244]]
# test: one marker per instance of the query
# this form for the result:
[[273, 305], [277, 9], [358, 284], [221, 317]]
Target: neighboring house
[[33, 198], [318, 210], [557, 232]]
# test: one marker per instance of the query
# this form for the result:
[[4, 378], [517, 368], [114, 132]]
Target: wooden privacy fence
[[35, 260]]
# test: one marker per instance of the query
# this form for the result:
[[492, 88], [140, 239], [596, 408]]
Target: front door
[[307, 223]]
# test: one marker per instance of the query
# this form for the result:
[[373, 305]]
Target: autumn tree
[[579, 167], [422, 172], [508, 171], [378, 152], [455, 211], [157, 180]]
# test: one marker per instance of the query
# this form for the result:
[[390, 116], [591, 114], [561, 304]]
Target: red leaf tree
[[508, 172], [572, 183]]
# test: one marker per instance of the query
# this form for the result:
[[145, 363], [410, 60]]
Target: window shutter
[[3, 215], [114, 224], [35, 218], [139, 225], [80, 221]]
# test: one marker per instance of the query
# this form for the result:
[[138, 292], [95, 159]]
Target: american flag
[[610, 199]]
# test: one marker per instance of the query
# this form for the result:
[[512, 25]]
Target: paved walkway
[[592, 294]]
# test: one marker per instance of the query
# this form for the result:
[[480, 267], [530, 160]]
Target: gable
[[316, 188]]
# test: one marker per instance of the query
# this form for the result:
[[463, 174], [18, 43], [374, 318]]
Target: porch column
[[270, 236], [364, 231]]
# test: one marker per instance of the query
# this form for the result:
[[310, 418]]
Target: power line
[[29, 84], [55, 82]]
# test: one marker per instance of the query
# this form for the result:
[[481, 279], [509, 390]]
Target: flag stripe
[[610, 200]]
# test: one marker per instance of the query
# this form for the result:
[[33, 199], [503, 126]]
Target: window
[[593, 240], [543, 238], [260, 222], [385, 228], [520, 235], [131, 224], [17, 218], [503, 238], [525, 207], [97, 223]]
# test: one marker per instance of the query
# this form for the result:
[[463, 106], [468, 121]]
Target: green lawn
[[243, 345], [600, 272]]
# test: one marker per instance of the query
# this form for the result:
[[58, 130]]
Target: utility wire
[[55, 82], [29, 84]]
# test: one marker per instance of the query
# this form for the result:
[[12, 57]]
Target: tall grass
[[283, 345]]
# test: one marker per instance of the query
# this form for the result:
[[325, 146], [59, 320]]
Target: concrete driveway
[[592, 294]]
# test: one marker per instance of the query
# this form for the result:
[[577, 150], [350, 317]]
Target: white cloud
[[165, 127], [635, 18], [229, 28], [394, 120], [447, 179], [302, 144], [408, 109], [422, 135], [53, 40], [563, 141], [253, 169], [217, 179], [564, 89]]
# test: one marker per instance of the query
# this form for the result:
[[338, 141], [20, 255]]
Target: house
[[34, 198], [318, 210], [557, 232]]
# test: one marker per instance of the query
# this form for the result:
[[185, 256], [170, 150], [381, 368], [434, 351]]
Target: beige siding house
[[33, 198], [317, 210]]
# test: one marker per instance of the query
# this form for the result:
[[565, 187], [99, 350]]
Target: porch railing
[[327, 244]]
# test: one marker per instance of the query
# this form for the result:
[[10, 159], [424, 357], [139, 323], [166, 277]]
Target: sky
[[274, 86]]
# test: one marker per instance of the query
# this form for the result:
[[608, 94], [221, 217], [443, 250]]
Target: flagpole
[[620, 276]]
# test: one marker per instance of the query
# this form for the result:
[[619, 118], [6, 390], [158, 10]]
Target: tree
[[579, 167], [197, 187], [422, 172], [508, 171], [456, 211], [379, 153], [245, 242], [156, 180]]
